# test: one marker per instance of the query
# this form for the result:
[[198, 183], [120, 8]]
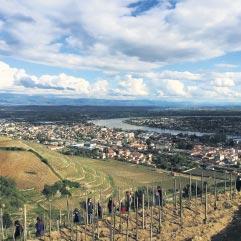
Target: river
[[119, 123]]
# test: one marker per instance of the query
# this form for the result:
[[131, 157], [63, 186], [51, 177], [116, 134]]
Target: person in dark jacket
[[76, 216], [110, 205], [122, 207], [99, 211], [129, 200], [18, 233], [159, 196], [39, 226], [90, 210], [238, 183]]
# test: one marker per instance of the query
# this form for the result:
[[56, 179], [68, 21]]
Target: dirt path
[[233, 231]]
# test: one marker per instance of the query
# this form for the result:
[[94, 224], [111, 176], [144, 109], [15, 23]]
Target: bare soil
[[223, 223]]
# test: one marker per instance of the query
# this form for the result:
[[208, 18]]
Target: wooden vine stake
[[50, 218], [114, 226], [86, 208], [85, 222], [1, 220], [225, 182], [230, 185], [196, 190], [127, 227], [175, 193], [93, 221], [136, 217], [25, 222], [190, 187], [68, 214], [180, 203], [206, 204], [143, 210], [160, 213], [202, 187], [151, 223], [148, 198], [215, 192]]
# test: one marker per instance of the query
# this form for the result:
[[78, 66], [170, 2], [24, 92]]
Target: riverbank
[[124, 124]]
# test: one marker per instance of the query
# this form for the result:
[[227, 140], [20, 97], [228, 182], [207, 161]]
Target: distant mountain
[[21, 99]]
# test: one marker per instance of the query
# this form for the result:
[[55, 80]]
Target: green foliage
[[7, 221], [11, 197], [61, 186], [177, 162], [12, 148], [71, 184]]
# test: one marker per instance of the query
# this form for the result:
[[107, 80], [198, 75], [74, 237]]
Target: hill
[[9, 99], [26, 169], [32, 165], [37, 166]]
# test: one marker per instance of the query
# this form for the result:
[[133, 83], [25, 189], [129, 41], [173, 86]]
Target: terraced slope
[[98, 178]]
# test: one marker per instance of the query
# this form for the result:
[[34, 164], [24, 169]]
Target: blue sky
[[122, 49]]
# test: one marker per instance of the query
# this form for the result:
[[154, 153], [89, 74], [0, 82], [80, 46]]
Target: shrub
[[7, 221], [60, 186], [11, 197]]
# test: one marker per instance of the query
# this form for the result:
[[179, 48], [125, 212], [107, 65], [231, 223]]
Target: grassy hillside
[[26, 169], [97, 178]]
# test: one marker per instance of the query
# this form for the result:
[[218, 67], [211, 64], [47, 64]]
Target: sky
[[185, 50]]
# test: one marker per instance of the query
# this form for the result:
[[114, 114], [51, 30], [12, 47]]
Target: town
[[173, 152]]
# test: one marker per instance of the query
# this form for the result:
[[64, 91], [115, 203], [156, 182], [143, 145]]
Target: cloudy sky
[[122, 49]]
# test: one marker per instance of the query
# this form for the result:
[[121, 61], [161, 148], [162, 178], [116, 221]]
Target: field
[[98, 179]]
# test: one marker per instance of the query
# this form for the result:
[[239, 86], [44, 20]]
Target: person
[[122, 207], [18, 230], [128, 201], [39, 226], [238, 183], [76, 216], [110, 205], [99, 211], [90, 208], [159, 196]]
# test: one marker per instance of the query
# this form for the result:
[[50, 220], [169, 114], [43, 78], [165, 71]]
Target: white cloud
[[174, 88], [9, 75], [177, 75], [131, 86], [225, 65], [186, 85], [101, 88], [223, 82], [105, 35], [12, 79]]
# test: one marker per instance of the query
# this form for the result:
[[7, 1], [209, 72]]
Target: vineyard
[[198, 216], [192, 207]]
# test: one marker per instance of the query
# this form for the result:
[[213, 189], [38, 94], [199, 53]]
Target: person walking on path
[[18, 233], [238, 182], [110, 205], [39, 226], [99, 211], [90, 209], [76, 216]]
